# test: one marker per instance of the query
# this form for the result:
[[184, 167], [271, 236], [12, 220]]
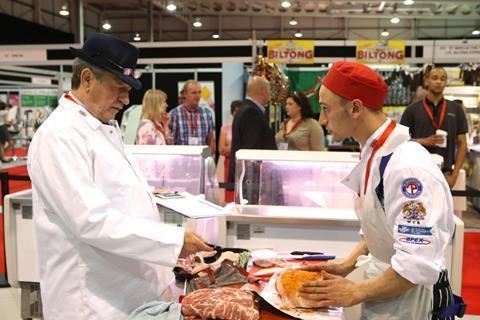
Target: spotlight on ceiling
[[106, 25], [298, 34], [385, 33], [215, 36], [293, 22], [171, 6], [285, 4], [137, 37], [197, 23], [64, 10], [408, 2], [395, 20], [476, 32]]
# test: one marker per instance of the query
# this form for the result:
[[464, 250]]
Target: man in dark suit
[[250, 128]]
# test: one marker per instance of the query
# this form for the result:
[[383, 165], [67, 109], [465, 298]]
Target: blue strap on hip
[[456, 309]]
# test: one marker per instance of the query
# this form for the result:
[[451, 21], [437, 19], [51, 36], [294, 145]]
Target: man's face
[[193, 94], [265, 95], [437, 81], [333, 115], [108, 96]]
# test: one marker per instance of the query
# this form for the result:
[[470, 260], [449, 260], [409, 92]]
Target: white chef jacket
[[411, 229], [102, 248]]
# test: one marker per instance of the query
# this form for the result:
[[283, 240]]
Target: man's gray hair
[[77, 68], [187, 84]]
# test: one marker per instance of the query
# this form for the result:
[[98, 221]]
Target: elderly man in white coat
[[102, 248], [403, 204]]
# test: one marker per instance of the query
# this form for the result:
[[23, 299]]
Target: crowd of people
[[103, 250]]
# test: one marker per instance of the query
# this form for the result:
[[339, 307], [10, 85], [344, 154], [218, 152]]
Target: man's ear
[[87, 78], [357, 108]]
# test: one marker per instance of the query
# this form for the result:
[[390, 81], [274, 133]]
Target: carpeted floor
[[471, 272], [14, 186]]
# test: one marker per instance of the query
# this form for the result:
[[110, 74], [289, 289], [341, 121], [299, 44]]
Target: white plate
[[270, 294]]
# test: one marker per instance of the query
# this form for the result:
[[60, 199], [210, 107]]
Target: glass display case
[[293, 200], [294, 178], [169, 168], [177, 168]]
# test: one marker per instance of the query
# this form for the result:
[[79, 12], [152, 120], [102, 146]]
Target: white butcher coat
[[411, 232], [102, 248]]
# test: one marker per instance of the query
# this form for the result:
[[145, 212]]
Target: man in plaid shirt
[[191, 124]]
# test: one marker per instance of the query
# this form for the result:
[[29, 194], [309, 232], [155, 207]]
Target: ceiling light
[[395, 20], [171, 6], [137, 37], [385, 33], [197, 23], [64, 10], [408, 2], [106, 25], [381, 6], [215, 36], [298, 34], [285, 4], [293, 22], [476, 32]]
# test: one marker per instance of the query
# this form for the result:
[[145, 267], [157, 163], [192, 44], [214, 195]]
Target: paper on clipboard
[[193, 206]]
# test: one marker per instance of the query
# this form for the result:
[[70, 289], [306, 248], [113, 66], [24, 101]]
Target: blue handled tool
[[318, 257]]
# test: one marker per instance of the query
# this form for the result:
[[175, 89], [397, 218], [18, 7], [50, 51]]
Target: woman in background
[[224, 144], [300, 131], [153, 129]]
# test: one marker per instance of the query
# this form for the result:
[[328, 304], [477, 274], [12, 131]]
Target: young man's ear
[[357, 107]]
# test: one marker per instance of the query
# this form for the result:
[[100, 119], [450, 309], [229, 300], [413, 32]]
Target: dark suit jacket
[[250, 130]]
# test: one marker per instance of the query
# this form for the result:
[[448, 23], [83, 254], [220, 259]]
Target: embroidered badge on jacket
[[417, 241], [412, 188], [414, 212], [419, 231]]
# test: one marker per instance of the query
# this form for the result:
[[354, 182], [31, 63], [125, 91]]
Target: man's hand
[[431, 141], [193, 243], [332, 268], [333, 291], [451, 179]]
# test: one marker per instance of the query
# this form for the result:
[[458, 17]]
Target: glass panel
[[171, 172], [308, 184]]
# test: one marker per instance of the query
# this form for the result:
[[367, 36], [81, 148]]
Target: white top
[[102, 248]]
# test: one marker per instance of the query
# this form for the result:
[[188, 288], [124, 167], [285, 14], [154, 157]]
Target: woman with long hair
[[153, 129]]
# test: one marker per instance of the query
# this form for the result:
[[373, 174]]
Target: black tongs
[[301, 253]]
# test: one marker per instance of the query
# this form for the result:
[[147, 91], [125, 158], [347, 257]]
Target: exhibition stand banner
[[22, 55], [380, 52], [464, 51], [290, 51]]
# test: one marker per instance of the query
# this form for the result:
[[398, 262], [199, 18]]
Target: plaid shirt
[[181, 129]]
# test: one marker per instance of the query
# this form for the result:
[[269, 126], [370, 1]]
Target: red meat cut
[[220, 303]]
